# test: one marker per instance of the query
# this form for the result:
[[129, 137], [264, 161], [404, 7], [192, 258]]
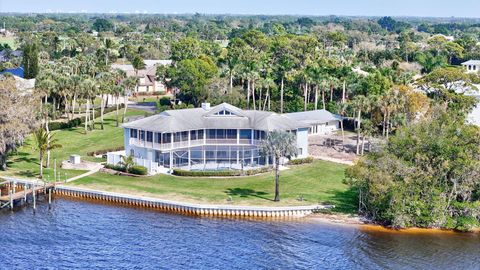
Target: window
[[220, 134], [142, 135], [211, 134], [200, 134], [184, 136], [167, 137], [300, 151], [259, 135], [132, 152], [133, 133], [177, 137], [149, 136], [224, 112], [231, 133], [245, 134], [193, 135], [158, 138]]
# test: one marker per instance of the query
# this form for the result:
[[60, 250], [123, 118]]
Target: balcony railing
[[184, 144]]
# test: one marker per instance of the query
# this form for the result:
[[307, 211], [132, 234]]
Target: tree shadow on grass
[[345, 201], [246, 192], [21, 157], [27, 173]]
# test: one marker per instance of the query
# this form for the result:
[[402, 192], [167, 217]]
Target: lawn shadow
[[27, 173], [21, 157], [246, 192], [345, 201]]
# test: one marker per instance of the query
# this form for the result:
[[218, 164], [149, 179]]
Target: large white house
[[472, 66], [222, 137]]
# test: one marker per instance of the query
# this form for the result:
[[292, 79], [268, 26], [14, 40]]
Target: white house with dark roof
[[472, 66], [222, 137]]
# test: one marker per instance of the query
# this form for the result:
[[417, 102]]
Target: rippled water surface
[[79, 234]]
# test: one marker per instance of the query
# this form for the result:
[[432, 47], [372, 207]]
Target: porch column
[[171, 151], [238, 136], [204, 137], [252, 132]]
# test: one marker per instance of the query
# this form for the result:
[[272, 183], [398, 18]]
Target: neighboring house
[[147, 77], [222, 137], [14, 71], [321, 122], [472, 66], [7, 55]]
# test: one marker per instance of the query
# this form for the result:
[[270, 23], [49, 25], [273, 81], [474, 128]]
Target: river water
[[80, 234]]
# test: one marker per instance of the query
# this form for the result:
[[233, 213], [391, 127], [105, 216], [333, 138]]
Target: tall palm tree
[[128, 85], [278, 145], [44, 142], [360, 103], [88, 87]]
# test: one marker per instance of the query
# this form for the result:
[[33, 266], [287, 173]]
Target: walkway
[[90, 172], [336, 160]]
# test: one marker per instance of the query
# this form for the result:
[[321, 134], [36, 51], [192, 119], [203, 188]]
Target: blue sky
[[433, 8]]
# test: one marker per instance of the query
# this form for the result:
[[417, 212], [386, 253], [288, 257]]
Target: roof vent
[[206, 106]]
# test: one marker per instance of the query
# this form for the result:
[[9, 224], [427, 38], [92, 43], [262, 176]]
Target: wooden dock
[[14, 191]]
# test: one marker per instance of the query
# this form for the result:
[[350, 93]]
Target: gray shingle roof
[[199, 118], [314, 117]]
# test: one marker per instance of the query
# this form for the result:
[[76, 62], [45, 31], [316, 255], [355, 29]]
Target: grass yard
[[319, 182], [10, 41], [25, 162]]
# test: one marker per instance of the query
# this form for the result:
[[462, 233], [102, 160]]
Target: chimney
[[206, 106]]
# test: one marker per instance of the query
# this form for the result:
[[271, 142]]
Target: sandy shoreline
[[368, 226]]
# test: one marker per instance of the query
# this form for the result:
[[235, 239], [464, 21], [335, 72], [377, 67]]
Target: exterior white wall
[[472, 68], [325, 128], [302, 142]]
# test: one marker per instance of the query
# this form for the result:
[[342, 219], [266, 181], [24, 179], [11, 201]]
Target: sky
[[424, 8]]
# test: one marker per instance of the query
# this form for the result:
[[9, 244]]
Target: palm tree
[[44, 142], [88, 89], [137, 64], [128, 84], [278, 145], [367, 130], [127, 162], [360, 103]]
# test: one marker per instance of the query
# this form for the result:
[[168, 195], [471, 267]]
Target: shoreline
[[366, 225]]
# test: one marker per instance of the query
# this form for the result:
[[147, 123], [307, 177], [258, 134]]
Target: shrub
[[115, 167], [139, 170], [179, 172], [164, 101], [299, 161]]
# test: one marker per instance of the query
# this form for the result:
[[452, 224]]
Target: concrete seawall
[[191, 208]]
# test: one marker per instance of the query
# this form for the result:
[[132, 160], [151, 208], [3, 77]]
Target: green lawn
[[25, 162], [319, 182], [10, 41]]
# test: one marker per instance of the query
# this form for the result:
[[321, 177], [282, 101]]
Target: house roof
[[314, 117], [200, 118], [471, 62]]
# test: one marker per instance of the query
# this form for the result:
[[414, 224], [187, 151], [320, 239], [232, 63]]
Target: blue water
[[85, 235]]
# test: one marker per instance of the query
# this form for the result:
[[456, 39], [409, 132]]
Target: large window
[[259, 135], [133, 133], [158, 137], [142, 135], [167, 137], [220, 134], [211, 134], [245, 134], [149, 136], [231, 133]]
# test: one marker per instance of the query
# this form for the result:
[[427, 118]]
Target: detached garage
[[321, 122]]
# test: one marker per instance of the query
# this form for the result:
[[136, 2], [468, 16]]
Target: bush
[[115, 167], [80, 120], [179, 172], [139, 170], [164, 101], [299, 161], [155, 93]]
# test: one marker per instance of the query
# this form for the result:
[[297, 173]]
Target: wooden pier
[[15, 191]]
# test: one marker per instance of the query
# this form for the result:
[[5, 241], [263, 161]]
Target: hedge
[[179, 172], [79, 120], [299, 161], [136, 169]]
